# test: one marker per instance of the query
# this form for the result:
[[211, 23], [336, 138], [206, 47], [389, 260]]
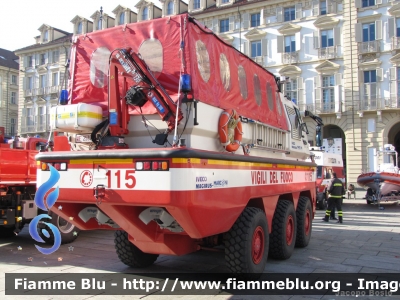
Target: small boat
[[384, 182]]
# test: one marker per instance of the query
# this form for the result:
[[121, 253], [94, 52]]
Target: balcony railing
[[320, 108], [395, 43], [372, 104], [29, 93], [369, 47], [290, 57], [258, 59], [42, 91], [53, 89], [39, 91], [41, 127], [327, 52], [28, 129], [393, 102]]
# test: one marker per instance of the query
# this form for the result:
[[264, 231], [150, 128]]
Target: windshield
[[319, 171]]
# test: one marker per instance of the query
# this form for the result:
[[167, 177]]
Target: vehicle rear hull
[[205, 193]]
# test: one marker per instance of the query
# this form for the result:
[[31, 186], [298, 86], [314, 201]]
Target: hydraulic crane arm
[[124, 64], [317, 119]]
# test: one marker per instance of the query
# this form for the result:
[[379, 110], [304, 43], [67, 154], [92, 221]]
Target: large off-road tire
[[283, 234], [131, 255], [68, 231], [7, 232], [304, 217], [246, 243]]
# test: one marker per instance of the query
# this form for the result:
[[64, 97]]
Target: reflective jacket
[[336, 189]]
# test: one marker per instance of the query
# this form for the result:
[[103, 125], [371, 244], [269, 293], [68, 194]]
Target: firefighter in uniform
[[336, 191]]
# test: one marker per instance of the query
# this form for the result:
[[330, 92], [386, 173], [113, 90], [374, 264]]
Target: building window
[[368, 32], [224, 25], [398, 27], [29, 117], [41, 116], [145, 13], [29, 83], [46, 36], [13, 98], [42, 59], [99, 24], [42, 81], [121, 19], [370, 89], [55, 79], [255, 48], [328, 93], [326, 38], [30, 61], [398, 82], [255, 20], [14, 79], [370, 76], [366, 3], [290, 43], [79, 28], [196, 4], [55, 56], [291, 90], [225, 1], [322, 8], [170, 8], [371, 125], [12, 126], [289, 13]]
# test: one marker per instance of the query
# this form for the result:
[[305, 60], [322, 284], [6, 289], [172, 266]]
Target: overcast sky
[[20, 19]]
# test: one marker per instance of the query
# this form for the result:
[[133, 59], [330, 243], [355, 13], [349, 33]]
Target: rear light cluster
[[59, 166], [155, 165]]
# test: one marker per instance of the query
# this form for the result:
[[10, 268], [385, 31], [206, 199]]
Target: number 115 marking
[[130, 180]]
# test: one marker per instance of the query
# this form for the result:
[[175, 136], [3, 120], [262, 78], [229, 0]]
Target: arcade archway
[[394, 136]]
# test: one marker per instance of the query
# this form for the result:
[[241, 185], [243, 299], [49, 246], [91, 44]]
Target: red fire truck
[[193, 147], [18, 187], [327, 163]]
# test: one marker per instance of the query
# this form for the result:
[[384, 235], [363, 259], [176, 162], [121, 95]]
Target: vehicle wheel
[[129, 254], [7, 232], [68, 231], [246, 243], [321, 203], [283, 234], [304, 222]]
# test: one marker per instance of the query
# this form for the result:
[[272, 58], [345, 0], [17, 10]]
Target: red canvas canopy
[[220, 75]]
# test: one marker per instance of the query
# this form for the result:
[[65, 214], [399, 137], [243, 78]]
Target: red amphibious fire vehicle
[[192, 146]]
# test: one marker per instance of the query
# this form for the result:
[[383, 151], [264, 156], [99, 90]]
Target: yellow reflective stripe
[[332, 196], [81, 114], [337, 184]]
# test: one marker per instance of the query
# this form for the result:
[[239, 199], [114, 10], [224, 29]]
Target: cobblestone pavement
[[367, 242]]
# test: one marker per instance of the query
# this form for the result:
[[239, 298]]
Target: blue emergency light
[[185, 83], [64, 97]]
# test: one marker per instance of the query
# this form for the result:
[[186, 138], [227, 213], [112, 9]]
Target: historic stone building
[[8, 91], [42, 75]]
